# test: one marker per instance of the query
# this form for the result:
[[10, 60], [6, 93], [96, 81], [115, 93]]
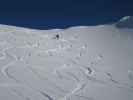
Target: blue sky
[[47, 14]]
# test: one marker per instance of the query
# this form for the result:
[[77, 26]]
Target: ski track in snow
[[76, 72]]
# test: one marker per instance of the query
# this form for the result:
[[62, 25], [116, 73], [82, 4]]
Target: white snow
[[85, 63]]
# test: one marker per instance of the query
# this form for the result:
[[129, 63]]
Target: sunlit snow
[[77, 63]]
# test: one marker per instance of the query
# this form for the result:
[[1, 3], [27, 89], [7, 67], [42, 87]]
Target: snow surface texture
[[78, 63]]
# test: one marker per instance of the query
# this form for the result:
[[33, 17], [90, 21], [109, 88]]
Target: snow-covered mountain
[[125, 22], [77, 63]]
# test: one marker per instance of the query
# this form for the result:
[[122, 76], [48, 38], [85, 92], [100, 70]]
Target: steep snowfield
[[81, 63]]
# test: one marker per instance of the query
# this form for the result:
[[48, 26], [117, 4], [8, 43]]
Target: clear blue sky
[[46, 14]]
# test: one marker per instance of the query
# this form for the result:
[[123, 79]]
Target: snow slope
[[82, 63]]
